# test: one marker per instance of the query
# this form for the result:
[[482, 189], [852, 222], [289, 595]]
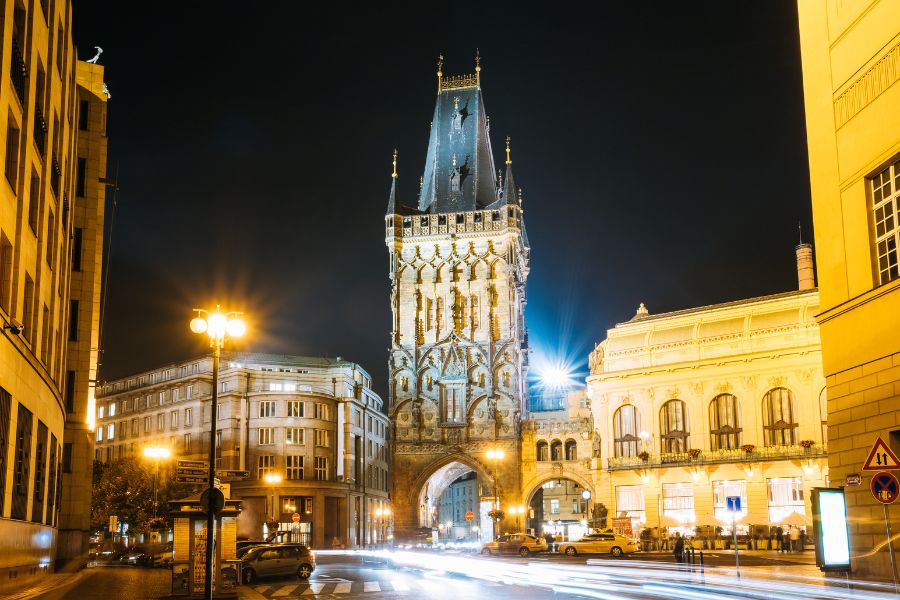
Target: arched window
[[779, 427], [556, 450], [724, 423], [626, 421], [571, 450], [673, 428], [543, 451]]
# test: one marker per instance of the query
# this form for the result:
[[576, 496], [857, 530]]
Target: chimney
[[806, 274]]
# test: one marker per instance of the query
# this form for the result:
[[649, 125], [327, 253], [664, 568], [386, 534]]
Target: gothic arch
[[444, 466], [530, 487]]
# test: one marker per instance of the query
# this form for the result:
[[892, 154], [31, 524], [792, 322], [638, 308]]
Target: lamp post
[[384, 515], [495, 456], [157, 453], [518, 511], [586, 496], [272, 479], [217, 325]]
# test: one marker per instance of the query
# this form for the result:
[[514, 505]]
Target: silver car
[[277, 559]]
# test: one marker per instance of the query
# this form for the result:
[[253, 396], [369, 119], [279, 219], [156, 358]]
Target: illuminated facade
[[697, 405], [316, 422], [851, 67], [459, 259], [51, 226]]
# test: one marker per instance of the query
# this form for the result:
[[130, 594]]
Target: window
[[295, 408], [40, 473], [111, 431], [51, 239], [454, 398], [34, 202], [556, 450], [543, 451], [162, 398], [176, 394], [323, 438], [188, 440], [266, 408], [322, 411], [83, 114], [554, 506], [626, 421], [190, 391], [12, 152], [22, 464], [112, 409], [674, 432], [160, 421], [678, 501], [148, 400], [724, 423], [321, 468], [722, 490], [779, 427], [571, 450], [134, 428], [147, 424], [294, 467], [885, 188], [99, 436], [173, 419], [630, 500], [265, 463], [28, 309], [188, 417], [66, 458], [785, 497], [293, 435], [266, 436], [73, 321], [80, 176]]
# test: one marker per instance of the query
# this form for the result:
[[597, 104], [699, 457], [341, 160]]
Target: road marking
[[342, 588], [314, 588], [285, 590], [399, 586], [261, 588], [371, 586]]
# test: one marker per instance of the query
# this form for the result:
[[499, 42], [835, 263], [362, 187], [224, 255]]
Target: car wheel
[[304, 571], [249, 576], [523, 551], [571, 551], [485, 551], [616, 551]]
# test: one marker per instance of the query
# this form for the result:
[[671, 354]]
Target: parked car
[[522, 544], [244, 546], [601, 543], [136, 555], [277, 559], [163, 556]]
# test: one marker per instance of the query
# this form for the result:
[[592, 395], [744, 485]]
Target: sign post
[[733, 503], [885, 488]]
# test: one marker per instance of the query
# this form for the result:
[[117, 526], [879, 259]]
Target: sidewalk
[[55, 582]]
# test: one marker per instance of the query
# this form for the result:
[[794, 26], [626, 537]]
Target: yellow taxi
[[601, 543]]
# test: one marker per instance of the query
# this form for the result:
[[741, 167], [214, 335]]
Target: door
[[605, 543], [513, 544], [267, 563], [289, 561]]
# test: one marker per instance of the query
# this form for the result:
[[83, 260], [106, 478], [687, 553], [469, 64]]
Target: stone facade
[[851, 67], [316, 422]]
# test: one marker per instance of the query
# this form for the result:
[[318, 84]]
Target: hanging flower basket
[[496, 514], [807, 443], [748, 448], [157, 524], [273, 526], [694, 452], [644, 456]]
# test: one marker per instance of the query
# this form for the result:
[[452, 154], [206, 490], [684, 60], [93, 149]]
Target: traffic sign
[[192, 464], [470, 516], [733, 503], [885, 487], [881, 458], [214, 501], [295, 517], [192, 479], [232, 474]]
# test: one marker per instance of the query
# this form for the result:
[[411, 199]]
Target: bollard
[[701, 557]]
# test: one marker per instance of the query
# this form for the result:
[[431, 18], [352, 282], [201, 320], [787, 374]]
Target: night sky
[[660, 147]]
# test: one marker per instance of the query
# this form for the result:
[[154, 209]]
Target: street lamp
[[157, 453], [495, 456], [586, 496], [518, 511], [217, 325], [272, 479], [384, 515]]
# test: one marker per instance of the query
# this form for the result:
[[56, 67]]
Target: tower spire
[[508, 159], [394, 174], [392, 207], [477, 67], [440, 70]]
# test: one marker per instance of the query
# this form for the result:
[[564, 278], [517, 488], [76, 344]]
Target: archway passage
[[562, 508], [454, 503]]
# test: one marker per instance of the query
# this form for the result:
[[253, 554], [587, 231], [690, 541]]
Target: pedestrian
[[802, 540], [548, 537], [785, 540], [795, 539], [678, 551]]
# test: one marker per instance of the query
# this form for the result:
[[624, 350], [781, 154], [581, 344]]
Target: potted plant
[[807, 444], [694, 453], [644, 456], [496, 514], [748, 448]]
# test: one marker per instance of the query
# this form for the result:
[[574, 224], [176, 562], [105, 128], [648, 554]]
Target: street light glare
[[157, 452], [273, 478], [236, 328], [217, 324], [198, 325]]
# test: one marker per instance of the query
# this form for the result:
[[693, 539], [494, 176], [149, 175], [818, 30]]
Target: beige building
[[698, 405], [51, 225], [851, 68], [315, 422]]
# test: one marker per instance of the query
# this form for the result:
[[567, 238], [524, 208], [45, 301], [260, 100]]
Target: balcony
[[713, 457], [40, 131], [55, 173], [17, 71]]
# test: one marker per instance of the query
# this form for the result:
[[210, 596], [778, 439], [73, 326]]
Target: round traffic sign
[[470, 516], [296, 517], [214, 501], [885, 487]]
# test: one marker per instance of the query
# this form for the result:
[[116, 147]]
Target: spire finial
[[394, 174], [440, 72], [520, 197], [800, 229], [477, 66], [508, 159]]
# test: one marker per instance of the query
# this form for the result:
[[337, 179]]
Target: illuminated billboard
[[830, 527]]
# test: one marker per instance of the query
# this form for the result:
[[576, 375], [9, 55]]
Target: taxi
[[522, 544], [601, 543]]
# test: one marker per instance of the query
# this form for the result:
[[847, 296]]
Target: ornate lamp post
[[272, 479], [384, 516], [217, 325], [495, 456], [157, 453]]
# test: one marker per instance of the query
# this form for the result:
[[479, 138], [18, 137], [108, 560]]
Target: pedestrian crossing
[[277, 591]]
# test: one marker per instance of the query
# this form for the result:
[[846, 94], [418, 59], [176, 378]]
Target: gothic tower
[[459, 259]]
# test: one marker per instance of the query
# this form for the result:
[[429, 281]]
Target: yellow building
[[851, 67], [51, 228], [698, 405]]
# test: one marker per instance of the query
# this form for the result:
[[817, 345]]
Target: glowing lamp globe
[[236, 328], [198, 325], [217, 324]]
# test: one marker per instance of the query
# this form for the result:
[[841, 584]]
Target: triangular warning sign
[[881, 458]]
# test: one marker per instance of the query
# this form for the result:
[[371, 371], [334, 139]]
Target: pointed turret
[[392, 199], [509, 190]]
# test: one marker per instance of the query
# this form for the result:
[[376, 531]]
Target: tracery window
[[454, 399], [724, 423]]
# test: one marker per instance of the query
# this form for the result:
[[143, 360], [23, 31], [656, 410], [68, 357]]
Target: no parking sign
[[885, 487]]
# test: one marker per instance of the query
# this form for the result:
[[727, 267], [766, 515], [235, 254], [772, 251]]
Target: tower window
[[460, 219], [423, 221], [442, 219], [495, 216]]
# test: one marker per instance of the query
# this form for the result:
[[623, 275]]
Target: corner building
[[458, 262], [51, 226], [851, 83], [316, 422]]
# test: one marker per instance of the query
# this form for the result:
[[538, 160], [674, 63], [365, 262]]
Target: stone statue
[[492, 408], [595, 360], [596, 445], [416, 413]]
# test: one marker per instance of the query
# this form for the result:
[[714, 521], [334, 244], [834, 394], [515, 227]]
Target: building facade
[[315, 422], [461, 497], [459, 259], [698, 405], [51, 226], [851, 68]]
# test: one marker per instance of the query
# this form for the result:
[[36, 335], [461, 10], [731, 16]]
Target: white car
[[601, 543]]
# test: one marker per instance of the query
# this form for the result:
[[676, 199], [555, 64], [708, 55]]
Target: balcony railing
[[40, 130], [17, 72], [710, 457], [55, 173]]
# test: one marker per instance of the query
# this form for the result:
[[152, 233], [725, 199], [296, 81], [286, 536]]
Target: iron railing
[[17, 72], [710, 457], [40, 130]]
